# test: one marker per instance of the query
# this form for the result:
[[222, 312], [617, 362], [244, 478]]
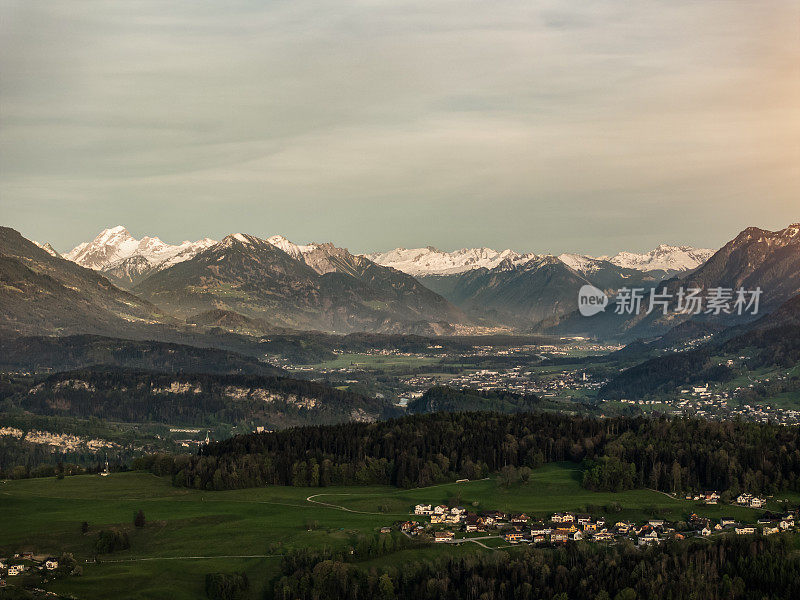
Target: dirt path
[[363, 512]]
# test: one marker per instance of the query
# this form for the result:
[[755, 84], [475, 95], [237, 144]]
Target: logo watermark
[[591, 300], [686, 301]]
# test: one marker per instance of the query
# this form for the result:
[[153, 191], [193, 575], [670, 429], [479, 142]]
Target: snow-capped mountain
[[424, 262], [432, 261], [325, 288], [48, 248], [296, 251], [663, 258], [125, 259]]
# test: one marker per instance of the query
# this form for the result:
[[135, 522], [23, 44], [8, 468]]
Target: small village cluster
[[448, 522], [25, 562]]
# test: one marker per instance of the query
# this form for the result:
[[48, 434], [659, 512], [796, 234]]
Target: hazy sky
[[544, 126]]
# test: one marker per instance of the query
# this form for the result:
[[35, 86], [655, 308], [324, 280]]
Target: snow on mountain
[[47, 248], [112, 247], [581, 263], [664, 258], [294, 250], [432, 261]]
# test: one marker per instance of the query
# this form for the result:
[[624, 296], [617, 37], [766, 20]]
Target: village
[[27, 564], [443, 524], [718, 403]]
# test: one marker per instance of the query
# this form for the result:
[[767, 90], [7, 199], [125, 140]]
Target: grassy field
[[191, 533], [376, 361]]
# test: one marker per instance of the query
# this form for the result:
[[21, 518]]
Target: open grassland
[[376, 361], [190, 533]]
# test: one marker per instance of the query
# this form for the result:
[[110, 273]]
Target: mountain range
[[253, 286], [664, 260], [324, 287], [754, 259], [44, 293]]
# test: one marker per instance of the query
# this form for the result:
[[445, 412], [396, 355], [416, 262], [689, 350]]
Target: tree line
[[622, 452], [732, 568]]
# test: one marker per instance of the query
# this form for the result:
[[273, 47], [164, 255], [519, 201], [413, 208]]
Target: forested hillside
[[446, 399], [195, 399], [730, 568], [669, 455]]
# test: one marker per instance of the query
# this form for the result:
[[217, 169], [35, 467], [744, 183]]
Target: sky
[[545, 126]]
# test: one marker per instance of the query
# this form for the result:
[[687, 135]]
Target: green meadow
[[190, 533]]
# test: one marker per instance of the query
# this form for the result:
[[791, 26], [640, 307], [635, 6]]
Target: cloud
[[544, 126]]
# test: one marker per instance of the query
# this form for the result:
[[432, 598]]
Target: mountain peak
[[114, 245]]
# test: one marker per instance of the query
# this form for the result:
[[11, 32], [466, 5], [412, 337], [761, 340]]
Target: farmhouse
[[443, 536]]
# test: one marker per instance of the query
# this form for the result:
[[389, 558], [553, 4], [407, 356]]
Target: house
[[770, 530], [563, 518], [408, 525], [576, 536], [538, 538], [453, 519], [603, 536], [513, 537], [756, 502], [727, 521], [622, 527], [386, 530], [458, 510], [443, 536], [441, 510], [540, 531], [705, 531], [583, 519], [492, 516], [15, 570], [647, 541], [523, 518], [745, 530], [473, 522], [50, 564], [589, 526], [656, 522], [423, 509], [559, 536], [437, 518], [786, 524], [710, 497]]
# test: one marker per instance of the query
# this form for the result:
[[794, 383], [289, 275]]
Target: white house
[[422, 509]]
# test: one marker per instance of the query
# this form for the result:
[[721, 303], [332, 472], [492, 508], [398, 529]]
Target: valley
[[271, 408]]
